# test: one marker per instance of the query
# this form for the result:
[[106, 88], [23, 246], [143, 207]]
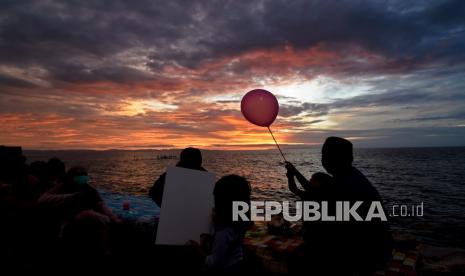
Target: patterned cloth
[[403, 263], [274, 251]]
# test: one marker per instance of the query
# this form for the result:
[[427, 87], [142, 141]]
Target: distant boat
[[165, 157]]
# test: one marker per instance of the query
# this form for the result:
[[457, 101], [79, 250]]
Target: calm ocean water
[[434, 176]]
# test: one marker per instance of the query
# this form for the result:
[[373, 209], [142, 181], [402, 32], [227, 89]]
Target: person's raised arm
[[293, 187], [291, 170]]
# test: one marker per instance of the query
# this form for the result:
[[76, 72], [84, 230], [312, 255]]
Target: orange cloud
[[172, 109]]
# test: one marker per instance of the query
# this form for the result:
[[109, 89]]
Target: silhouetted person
[[345, 248], [12, 179], [227, 253], [223, 253], [56, 171], [317, 183], [77, 216], [38, 178], [12, 165], [191, 158], [74, 195]]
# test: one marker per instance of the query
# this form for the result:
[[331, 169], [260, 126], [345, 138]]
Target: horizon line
[[232, 148]]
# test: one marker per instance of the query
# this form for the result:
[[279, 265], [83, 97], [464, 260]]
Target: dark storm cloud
[[67, 37], [15, 102], [73, 39], [118, 74]]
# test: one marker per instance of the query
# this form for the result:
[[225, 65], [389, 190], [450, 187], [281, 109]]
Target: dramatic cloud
[[105, 74]]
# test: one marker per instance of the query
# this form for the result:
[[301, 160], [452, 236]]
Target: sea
[[434, 177]]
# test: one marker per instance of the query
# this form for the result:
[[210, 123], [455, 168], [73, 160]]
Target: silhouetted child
[[227, 251], [224, 252], [311, 188]]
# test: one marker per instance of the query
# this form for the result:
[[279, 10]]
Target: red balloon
[[260, 107]]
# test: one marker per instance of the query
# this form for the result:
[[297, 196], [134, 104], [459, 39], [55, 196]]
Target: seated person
[[225, 252], [56, 171], [191, 158], [75, 195], [75, 213]]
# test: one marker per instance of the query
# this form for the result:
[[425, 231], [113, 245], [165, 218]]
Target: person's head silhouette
[[228, 189], [337, 155], [56, 167], [190, 158]]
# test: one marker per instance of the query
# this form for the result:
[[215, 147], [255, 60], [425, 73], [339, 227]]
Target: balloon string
[[277, 144]]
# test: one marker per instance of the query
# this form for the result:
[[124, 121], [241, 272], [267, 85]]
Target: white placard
[[186, 207]]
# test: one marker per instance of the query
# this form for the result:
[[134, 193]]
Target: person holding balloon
[[340, 248]]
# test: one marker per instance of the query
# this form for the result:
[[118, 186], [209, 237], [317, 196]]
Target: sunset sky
[[163, 74]]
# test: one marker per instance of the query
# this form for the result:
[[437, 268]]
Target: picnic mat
[[403, 263], [274, 251]]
